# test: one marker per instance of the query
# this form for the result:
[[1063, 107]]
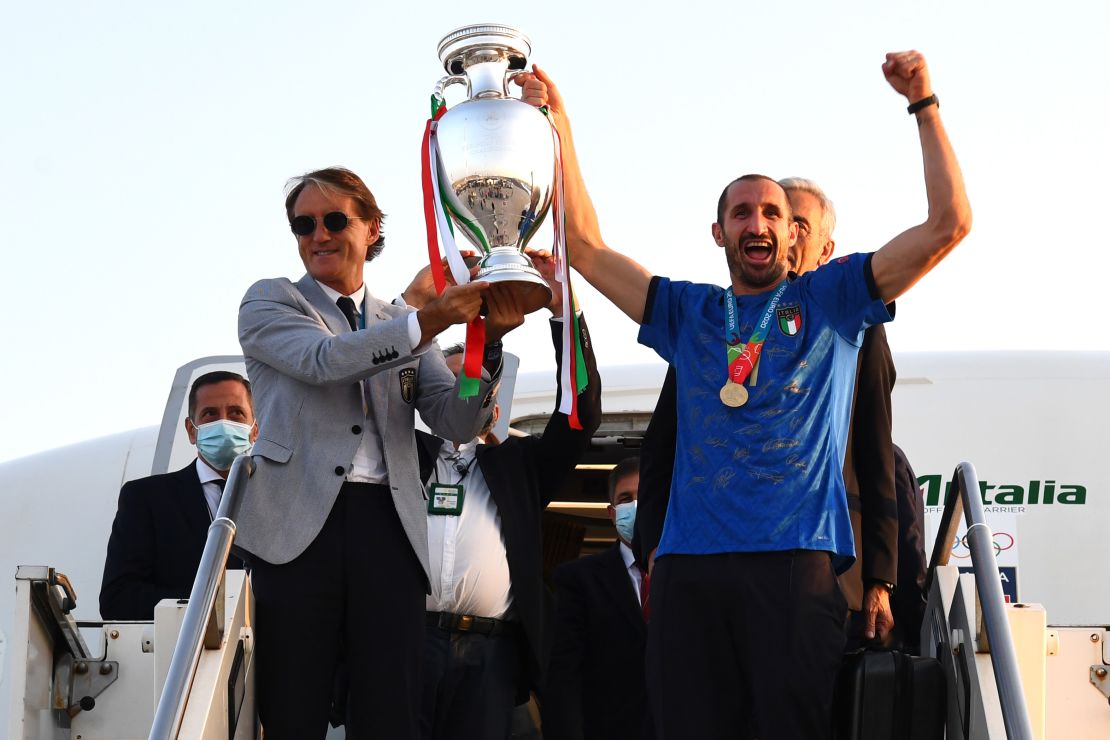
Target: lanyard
[[743, 357], [463, 473]]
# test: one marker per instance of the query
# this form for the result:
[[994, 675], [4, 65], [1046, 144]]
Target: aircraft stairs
[[190, 672]]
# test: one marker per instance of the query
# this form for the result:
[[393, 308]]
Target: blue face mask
[[626, 520], [220, 442]]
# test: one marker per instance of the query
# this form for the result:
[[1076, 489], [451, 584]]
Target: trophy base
[[513, 270]]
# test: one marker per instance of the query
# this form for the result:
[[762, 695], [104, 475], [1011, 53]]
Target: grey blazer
[[305, 365]]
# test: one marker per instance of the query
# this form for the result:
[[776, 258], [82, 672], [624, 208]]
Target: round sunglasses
[[334, 222]]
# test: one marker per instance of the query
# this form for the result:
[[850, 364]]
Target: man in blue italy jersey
[[747, 617]]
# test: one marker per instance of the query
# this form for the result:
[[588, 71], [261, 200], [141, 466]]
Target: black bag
[[887, 695]]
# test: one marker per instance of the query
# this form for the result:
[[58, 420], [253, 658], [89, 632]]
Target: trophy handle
[[446, 82], [511, 75]]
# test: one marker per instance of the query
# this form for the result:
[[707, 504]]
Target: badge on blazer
[[790, 319], [407, 377]]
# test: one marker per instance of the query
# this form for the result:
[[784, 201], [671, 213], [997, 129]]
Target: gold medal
[[734, 395]]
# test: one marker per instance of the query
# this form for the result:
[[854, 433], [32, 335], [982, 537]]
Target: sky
[[144, 148]]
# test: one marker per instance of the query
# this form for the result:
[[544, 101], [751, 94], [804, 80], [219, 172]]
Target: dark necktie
[[645, 590], [220, 483], [347, 306]]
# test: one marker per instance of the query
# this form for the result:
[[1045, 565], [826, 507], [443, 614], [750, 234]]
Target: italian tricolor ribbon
[[439, 227], [573, 377]]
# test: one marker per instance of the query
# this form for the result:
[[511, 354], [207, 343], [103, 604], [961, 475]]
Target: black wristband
[[886, 585], [493, 351], [923, 103]]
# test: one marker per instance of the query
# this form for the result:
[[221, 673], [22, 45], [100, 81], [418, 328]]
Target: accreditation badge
[[445, 499]]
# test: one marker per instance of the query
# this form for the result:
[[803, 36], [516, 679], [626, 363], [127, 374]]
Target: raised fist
[[907, 74]]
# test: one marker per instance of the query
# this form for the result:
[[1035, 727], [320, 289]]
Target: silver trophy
[[496, 157]]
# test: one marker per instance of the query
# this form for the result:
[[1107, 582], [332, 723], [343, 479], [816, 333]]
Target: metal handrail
[[202, 600], [966, 497]]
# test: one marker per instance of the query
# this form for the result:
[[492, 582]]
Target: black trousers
[[744, 645], [357, 591], [469, 685]]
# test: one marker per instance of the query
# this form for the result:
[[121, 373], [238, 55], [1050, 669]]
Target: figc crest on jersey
[[790, 319]]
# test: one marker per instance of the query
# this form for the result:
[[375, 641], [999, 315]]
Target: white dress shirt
[[469, 565], [634, 573], [368, 465], [213, 491]]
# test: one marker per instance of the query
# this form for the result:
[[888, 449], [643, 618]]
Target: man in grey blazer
[[334, 519]]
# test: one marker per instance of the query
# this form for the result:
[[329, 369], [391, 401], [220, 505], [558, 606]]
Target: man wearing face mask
[[162, 521], [595, 684]]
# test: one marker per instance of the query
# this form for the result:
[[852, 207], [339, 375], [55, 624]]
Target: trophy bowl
[[496, 157]]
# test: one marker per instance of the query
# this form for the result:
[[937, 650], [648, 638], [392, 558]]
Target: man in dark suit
[[595, 683], [162, 521], [486, 614], [909, 600]]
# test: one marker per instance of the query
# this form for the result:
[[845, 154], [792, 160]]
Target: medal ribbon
[[435, 215], [743, 357]]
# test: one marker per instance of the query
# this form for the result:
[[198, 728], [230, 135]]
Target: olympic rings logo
[[1002, 541]]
